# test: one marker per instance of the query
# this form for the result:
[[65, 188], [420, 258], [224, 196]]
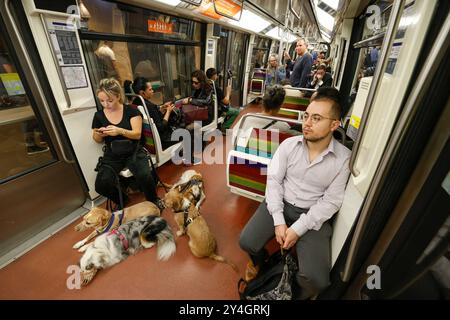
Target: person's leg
[[143, 175], [106, 181], [256, 233], [314, 261]]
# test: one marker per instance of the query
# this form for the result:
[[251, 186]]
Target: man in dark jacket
[[321, 78], [301, 68]]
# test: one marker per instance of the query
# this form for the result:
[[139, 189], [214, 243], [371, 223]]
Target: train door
[[39, 179], [232, 48]]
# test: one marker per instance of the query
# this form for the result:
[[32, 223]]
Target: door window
[[24, 145]]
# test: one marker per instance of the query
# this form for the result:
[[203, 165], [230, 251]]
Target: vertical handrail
[[362, 221], [376, 82], [38, 87]]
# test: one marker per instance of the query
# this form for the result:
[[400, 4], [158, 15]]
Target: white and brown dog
[[103, 220], [188, 190], [201, 241]]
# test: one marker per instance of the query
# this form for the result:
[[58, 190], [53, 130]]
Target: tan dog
[[201, 241], [102, 220], [188, 190]]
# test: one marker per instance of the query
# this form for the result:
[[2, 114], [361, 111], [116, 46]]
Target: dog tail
[[159, 232], [222, 259]]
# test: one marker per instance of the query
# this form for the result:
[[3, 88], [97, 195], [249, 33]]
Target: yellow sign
[[12, 84], [354, 121]]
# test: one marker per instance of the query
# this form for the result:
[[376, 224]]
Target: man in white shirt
[[305, 188]]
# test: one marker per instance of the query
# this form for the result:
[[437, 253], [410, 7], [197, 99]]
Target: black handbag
[[274, 281], [122, 147]]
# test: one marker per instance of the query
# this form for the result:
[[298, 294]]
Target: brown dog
[[102, 220], [188, 190], [201, 240]]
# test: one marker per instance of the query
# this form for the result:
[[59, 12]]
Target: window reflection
[[23, 143]]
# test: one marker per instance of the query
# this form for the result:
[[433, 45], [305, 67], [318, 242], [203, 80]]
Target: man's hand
[[280, 233], [290, 239]]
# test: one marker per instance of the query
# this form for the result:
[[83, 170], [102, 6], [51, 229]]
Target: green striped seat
[[295, 103]]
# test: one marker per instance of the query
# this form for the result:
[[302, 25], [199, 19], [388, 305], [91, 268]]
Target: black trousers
[[105, 183]]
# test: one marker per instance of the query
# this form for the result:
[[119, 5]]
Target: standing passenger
[[119, 125], [306, 181], [274, 73], [301, 68]]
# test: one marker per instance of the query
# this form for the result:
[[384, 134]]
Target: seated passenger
[[119, 127], [306, 180], [272, 101], [160, 115], [201, 94], [321, 78], [225, 109]]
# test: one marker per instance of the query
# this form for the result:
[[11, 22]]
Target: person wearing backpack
[[306, 180]]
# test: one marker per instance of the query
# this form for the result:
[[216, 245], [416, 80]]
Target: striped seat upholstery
[[295, 103], [289, 114], [147, 132], [247, 166]]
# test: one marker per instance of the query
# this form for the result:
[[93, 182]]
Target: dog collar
[[121, 237], [114, 214]]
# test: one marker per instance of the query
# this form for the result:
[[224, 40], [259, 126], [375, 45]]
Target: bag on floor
[[274, 281]]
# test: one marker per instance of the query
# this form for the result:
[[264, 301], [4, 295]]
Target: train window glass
[[23, 145], [117, 18], [260, 52], [168, 67]]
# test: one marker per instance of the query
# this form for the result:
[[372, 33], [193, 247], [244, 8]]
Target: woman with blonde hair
[[119, 127]]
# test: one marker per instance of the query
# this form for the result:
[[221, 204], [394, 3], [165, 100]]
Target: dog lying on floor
[[111, 248], [188, 190], [201, 241], [102, 220]]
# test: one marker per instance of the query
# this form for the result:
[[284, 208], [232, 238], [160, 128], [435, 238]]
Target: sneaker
[[36, 149], [251, 271], [160, 204]]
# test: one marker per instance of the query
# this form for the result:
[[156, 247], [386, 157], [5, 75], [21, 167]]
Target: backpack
[[274, 281]]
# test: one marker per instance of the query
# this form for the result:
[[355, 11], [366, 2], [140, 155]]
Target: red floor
[[41, 273]]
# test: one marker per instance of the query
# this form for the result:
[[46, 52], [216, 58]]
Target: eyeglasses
[[195, 82], [315, 118]]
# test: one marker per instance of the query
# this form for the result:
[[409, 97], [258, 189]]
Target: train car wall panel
[[76, 104], [416, 19]]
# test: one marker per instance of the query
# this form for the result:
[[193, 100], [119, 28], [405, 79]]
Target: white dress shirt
[[318, 186]]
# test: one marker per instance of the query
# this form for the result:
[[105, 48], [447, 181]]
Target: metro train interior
[[389, 59]]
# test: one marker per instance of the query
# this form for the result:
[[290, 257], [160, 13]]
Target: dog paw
[[78, 245], [179, 233]]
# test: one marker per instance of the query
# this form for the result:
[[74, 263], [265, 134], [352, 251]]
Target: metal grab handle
[[379, 72], [362, 221], [33, 74]]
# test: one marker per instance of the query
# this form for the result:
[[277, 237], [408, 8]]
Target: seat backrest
[[247, 164], [148, 138], [263, 142], [290, 114], [295, 103]]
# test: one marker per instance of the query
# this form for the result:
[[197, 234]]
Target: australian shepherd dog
[[115, 246]]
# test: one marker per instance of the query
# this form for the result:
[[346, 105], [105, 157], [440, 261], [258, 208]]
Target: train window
[[23, 145], [168, 67], [260, 53], [116, 18]]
